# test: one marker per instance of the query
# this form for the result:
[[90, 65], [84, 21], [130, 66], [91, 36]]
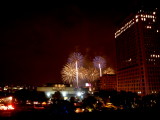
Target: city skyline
[[36, 42]]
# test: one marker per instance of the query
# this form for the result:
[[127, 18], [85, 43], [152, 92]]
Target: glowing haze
[[36, 40]]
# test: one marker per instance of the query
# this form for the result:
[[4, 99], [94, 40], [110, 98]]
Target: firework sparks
[[99, 62], [77, 59], [109, 70], [68, 73], [92, 74], [83, 73]]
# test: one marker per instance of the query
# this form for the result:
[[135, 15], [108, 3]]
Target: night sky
[[36, 39]]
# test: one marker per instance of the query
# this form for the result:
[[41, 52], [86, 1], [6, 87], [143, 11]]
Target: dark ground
[[49, 115]]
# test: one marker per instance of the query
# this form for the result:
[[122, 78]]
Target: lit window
[[148, 27], [130, 60], [153, 20], [136, 20]]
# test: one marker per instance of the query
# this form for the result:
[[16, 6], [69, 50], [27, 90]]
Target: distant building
[[12, 88], [138, 53], [108, 82], [66, 90]]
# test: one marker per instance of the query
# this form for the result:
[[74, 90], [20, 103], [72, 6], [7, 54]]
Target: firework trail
[[99, 62], [69, 73], [77, 59]]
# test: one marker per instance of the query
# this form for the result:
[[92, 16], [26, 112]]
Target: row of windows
[[111, 86], [134, 71], [131, 84], [129, 89], [138, 87], [130, 77], [123, 81], [154, 88], [150, 69]]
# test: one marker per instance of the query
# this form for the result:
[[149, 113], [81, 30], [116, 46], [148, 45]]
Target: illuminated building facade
[[66, 90], [138, 53], [13, 89], [108, 82]]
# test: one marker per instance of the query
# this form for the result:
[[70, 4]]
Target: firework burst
[[76, 57], [99, 62], [109, 70], [83, 73], [92, 74], [68, 73]]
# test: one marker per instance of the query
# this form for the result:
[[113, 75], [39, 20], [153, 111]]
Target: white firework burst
[[68, 73]]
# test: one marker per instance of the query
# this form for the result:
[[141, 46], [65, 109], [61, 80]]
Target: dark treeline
[[126, 100], [132, 101]]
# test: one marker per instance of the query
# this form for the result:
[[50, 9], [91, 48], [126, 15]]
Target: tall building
[[138, 53], [108, 82]]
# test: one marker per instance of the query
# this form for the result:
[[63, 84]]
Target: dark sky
[[36, 39]]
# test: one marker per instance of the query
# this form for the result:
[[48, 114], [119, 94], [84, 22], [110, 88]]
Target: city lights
[[139, 16], [79, 60]]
